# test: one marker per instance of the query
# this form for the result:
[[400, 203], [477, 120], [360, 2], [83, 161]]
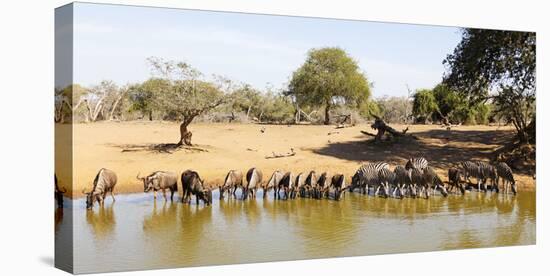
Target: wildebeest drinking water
[[320, 189], [456, 178], [310, 182], [104, 183], [286, 183], [233, 180], [160, 180], [273, 182], [299, 186], [192, 184], [253, 181], [338, 183]]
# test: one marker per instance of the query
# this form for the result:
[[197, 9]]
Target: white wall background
[[26, 147]]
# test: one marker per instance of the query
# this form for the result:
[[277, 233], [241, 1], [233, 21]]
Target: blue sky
[[112, 43]]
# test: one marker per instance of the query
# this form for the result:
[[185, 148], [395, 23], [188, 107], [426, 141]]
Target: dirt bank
[[125, 148]]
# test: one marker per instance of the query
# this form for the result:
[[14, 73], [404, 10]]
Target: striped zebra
[[417, 180], [403, 180], [386, 178], [367, 175], [487, 172], [418, 162], [471, 169], [433, 182], [505, 173]]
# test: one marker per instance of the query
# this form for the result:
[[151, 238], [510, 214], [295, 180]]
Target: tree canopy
[[329, 77], [424, 104], [500, 66]]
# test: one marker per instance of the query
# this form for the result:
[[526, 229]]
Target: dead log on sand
[[383, 128], [278, 155]]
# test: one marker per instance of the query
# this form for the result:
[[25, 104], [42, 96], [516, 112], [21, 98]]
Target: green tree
[[184, 93], [424, 105], [497, 65], [329, 77], [141, 96], [246, 99]]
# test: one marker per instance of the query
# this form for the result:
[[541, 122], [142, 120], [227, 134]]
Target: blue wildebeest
[[456, 176], [160, 181], [310, 182], [285, 184], [338, 184], [320, 189], [233, 180], [253, 182], [104, 182], [273, 182], [192, 184], [299, 184]]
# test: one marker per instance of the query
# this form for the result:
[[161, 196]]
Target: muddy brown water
[[137, 232]]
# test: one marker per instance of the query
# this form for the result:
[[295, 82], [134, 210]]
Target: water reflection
[[145, 233], [101, 222]]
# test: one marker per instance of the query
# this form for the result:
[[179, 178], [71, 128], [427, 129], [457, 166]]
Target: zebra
[[417, 180], [471, 169], [386, 178], [487, 172], [417, 162], [402, 179], [505, 173], [432, 181], [455, 179], [367, 175]]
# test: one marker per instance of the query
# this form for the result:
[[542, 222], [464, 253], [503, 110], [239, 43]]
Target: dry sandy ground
[[242, 146]]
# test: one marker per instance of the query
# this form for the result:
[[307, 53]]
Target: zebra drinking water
[[505, 173], [367, 175]]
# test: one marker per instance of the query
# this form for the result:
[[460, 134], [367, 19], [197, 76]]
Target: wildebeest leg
[[172, 195], [164, 195], [197, 199], [155, 194], [235, 191]]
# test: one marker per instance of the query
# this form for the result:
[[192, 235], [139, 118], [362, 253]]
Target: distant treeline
[[490, 76], [245, 104]]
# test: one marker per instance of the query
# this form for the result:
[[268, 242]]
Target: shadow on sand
[[440, 147], [158, 148]]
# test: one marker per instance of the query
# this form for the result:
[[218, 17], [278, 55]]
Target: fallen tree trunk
[[383, 129]]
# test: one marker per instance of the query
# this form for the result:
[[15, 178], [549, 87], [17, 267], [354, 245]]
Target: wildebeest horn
[[139, 178]]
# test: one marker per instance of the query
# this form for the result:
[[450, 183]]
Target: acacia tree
[[327, 78], [184, 93], [501, 66]]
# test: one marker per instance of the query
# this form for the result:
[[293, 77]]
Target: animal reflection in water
[[102, 222]]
